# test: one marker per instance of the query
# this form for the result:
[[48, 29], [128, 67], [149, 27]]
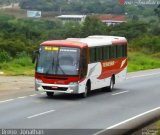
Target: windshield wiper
[[58, 64], [60, 68], [49, 66]]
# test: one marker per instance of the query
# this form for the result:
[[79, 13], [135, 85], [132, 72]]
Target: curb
[[133, 125]]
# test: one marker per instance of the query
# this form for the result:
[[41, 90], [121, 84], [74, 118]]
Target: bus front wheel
[[50, 94], [85, 94]]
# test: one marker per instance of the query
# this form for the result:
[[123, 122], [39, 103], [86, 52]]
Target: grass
[[158, 127], [19, 66], [140, 61], [158, 124], [23, 65]]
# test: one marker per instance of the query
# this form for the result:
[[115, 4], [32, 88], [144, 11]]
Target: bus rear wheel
[[50, 94], [111, 86]]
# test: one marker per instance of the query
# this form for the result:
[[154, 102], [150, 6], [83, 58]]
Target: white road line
[[22, 97], [143, 75], [33, 95], [119, 93], [43, 113], [42, 93], [130, 119], [6, 101]]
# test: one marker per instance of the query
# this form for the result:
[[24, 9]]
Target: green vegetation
[[21, 65], [76, 6], [7, 2], [157, 11], [158, 127], [140, 61], [19, 37], [158, 124], [95, 6]]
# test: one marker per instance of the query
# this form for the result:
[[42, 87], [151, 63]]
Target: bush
[[22, 55], [4, 56], [146, 43]]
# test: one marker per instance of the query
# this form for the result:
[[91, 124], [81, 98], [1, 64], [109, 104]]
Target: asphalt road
[[138, 94]]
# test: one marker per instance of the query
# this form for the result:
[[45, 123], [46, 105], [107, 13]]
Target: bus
[[80, 65]]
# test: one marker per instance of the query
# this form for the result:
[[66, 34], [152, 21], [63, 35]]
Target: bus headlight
[[73, 83], [74, 86], [38, 81], [38, 86]]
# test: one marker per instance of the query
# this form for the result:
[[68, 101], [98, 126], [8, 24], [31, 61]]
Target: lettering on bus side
[[108, 64]]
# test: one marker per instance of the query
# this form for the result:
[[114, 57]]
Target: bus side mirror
[[34, 56]]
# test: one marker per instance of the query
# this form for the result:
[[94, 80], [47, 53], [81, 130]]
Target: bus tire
[[85, 94], [111, 86], [50, 94]]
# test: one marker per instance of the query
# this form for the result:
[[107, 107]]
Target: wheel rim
[[86, 91], [112, 85]]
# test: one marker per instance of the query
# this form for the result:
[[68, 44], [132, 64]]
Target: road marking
[[22, 97], [128, 120], [42, 93], [33, 95], [142, 75], [6, 101], [43, 113], [119, 93]]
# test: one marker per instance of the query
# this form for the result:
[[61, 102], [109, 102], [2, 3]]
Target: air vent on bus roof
[[74, 39], [103, 36]]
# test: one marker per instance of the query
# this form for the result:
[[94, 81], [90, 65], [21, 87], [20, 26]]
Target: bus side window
[[92, 53], [84, 63], [98, 54], [106, 53], [124, 50], [119, 51]]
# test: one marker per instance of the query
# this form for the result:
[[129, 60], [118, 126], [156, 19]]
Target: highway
[[101, 110]]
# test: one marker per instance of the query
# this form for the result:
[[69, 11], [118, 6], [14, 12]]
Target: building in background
[[34, 14], [108, 19], [112, 19], [75, 18]]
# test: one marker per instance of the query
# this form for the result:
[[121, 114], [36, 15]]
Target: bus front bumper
[[45, 87]]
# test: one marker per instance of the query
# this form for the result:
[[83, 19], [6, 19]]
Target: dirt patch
[[11, 87]]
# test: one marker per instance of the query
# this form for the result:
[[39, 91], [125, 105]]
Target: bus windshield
[[58, 60]]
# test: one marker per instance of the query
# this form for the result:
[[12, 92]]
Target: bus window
[[92, 53], [113, 52], [119, 51], [98, 53], [110, 52], [124, 50], [84, 63], [106, 53]]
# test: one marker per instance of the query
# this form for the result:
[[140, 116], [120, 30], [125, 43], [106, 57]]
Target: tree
[[157, 11], [93, 26]]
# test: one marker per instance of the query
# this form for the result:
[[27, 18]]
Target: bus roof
[[64, 43], [91, 41]]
